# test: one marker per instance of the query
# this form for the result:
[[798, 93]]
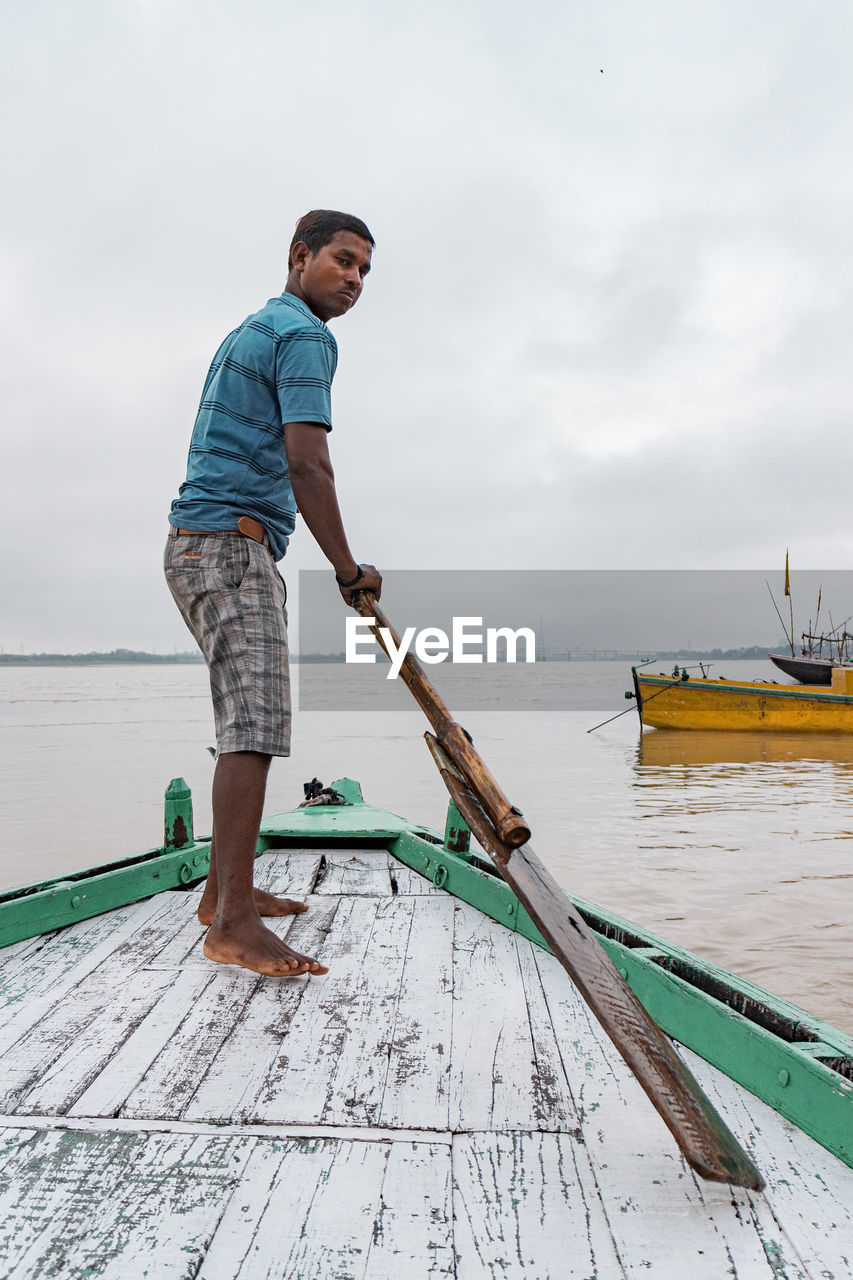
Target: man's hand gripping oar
[[708, 1145]]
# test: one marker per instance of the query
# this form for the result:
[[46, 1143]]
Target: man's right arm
[[313, 481]]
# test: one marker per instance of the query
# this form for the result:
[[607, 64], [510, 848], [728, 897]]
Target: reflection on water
[[737, 846], [764, 821], [666, 747]]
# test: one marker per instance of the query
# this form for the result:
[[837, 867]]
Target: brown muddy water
[[738, 846]]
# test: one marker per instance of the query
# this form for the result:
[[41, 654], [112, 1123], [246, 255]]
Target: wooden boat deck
[[441, 1104]]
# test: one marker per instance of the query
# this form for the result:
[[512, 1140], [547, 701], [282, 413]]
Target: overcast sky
[[608, 324]]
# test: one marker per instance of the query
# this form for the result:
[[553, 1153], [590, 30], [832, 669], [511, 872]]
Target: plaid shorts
[[232, 598]]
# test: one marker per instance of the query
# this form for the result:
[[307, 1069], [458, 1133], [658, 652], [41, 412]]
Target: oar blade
[[708, 1145], [706, 1142]]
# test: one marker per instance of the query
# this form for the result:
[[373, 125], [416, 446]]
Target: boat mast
[[790, 600], [790, 638]]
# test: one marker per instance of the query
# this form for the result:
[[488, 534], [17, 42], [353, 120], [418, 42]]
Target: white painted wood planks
[[419, 1047], [320, 1209], [808, 1189], [360, 871], [36, 982], [91, 1047], [291, 873], [655, 1206], [114, 1206], [248, 1059], [521, 1209], [110, 1089], [495, 1082], [508, 1205], [370, 871], [334, 1062]]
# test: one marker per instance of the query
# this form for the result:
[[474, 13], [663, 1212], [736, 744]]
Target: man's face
[[331, 280]]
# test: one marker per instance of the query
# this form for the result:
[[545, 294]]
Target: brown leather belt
[[246, 526]]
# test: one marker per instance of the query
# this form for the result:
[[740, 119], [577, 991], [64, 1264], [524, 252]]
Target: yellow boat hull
[[668, 702]]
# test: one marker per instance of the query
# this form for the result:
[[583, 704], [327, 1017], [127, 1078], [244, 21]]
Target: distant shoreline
[[133, 657], [117, 658]]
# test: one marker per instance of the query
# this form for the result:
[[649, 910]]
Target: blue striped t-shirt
[[277, 367]]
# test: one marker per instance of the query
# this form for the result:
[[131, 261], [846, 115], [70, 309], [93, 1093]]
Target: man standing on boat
[[259, 452]]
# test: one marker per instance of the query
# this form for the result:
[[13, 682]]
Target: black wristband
[[346, 585]]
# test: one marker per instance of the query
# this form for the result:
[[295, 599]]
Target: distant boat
[[806, 669], [680, 701], [811, 665]]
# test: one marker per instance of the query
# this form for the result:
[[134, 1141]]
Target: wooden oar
[[708, 1145]]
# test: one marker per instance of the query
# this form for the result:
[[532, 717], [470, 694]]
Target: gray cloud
[[607, 325]]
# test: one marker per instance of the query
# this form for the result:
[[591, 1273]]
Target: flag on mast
[[787, 576]]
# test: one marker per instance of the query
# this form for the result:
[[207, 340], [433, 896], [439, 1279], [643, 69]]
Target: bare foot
[[253, 946], [267, 904]]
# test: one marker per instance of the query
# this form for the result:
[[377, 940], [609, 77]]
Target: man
[[259, 451]]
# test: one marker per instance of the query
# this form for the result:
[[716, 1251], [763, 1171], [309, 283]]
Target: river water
[[738, 846]]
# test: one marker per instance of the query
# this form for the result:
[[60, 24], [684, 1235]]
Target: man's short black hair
[[320, 227]]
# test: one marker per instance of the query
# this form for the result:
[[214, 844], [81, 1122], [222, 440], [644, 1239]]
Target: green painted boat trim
[[46, 905], [798, 1064]]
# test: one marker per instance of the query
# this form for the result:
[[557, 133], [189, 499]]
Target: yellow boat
[[682, 701]]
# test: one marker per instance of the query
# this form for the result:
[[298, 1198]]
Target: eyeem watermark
[[465, 643]]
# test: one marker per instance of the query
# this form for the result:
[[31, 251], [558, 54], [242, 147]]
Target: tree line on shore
[[93, 659], [130, 656]]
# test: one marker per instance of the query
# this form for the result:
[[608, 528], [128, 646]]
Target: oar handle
[[506, 818]]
